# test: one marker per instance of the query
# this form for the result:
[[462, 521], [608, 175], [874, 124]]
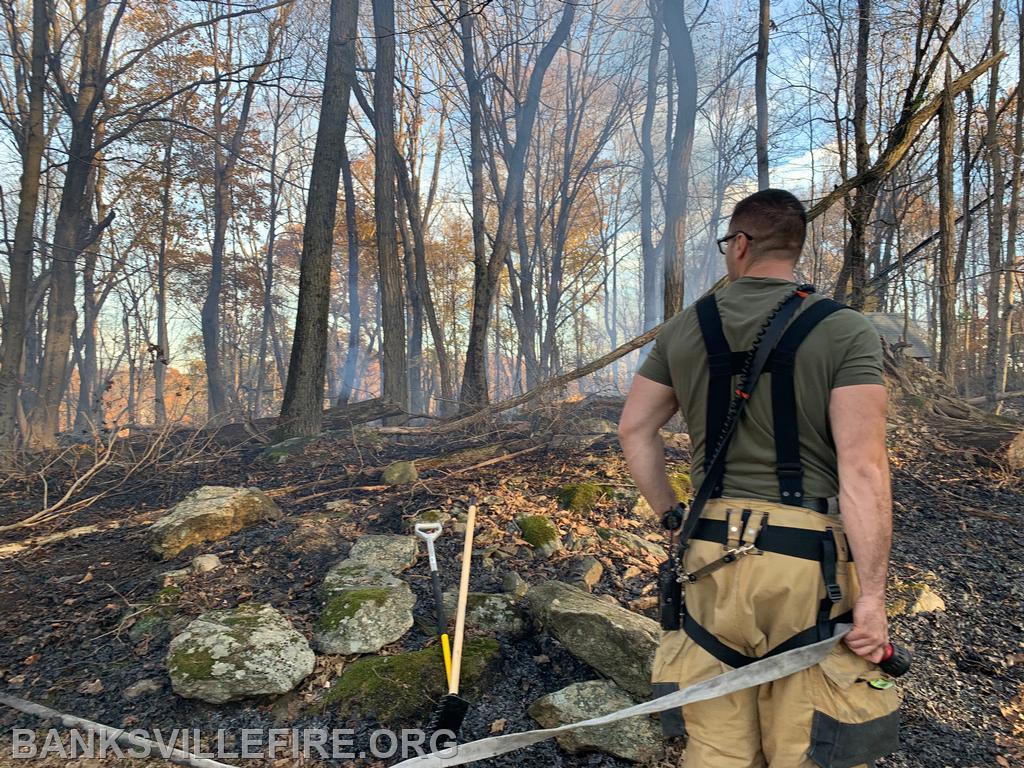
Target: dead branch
[[895, 152]]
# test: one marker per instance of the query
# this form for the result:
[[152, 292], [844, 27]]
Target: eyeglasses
[[723, 240]]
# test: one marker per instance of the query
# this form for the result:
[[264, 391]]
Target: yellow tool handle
[[447, 652]]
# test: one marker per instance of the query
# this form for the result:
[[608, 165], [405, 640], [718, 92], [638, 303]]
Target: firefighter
[[796, 536]]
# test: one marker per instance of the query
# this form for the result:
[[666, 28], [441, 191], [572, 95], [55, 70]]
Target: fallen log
[[338, 417], [554, 383]]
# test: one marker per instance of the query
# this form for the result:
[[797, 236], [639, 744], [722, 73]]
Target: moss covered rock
[[348, 574], [495, 613], [582, 497], [617, 643], [540, 533], [406, 686], [251, 650], [363, 619]]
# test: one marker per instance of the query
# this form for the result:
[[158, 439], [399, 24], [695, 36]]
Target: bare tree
[[30, 145], [302, 410], [227, 147], [474, 380], [947, 234], [676, 191], [392, 301]]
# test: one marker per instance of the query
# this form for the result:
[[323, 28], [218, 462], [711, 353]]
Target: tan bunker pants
[[842, 713]]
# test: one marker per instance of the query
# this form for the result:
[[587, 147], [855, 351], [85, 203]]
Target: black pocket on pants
[[835, 744]]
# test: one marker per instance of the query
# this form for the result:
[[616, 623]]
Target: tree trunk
[[15, 317], [474, 383], [302, 410], [681, 51], [649, 254], [947, 236], [1013, 216], [392, 302], [995, 219], [162, 353], [68, 234], [224, 167], [850, 286], [761, 92], [354, 314]]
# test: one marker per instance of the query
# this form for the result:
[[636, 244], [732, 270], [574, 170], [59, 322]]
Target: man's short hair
[[776, 221]]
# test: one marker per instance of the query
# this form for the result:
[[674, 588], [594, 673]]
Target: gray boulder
[[364, 619], [208, 514], [363, 608], [385, 552], [636, 739], [278, 453], [251, 650], [617, 643], [493, 613], [400, 473]]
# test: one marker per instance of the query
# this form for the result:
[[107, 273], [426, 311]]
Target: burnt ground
[[69, 607]]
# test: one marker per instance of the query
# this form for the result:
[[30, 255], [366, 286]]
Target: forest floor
[[69, 606]]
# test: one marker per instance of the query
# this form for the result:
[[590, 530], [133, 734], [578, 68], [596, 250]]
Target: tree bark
[[761, 92], [649, 254], [68, 233], [162, 353], [947, 235], [354, 309], [392, 301], [995, 218], [677, 184], [1013, 217], [302, 410], [850, 286], [15, 316]]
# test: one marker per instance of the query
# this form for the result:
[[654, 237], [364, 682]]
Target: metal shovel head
[[449, 714]]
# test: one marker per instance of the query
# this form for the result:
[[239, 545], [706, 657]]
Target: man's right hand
[[870, 634]]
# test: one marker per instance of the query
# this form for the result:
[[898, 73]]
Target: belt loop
[[733, 531], [833, 505]]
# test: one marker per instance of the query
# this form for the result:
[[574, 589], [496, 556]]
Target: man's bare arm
[[857, 416], [648, 406]]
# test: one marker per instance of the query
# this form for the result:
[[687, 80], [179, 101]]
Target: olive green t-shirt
[[842, 350]]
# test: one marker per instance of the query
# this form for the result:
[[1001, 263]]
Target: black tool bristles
[[450, 713]]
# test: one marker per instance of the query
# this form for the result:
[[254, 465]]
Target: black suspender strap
[[721, 366], [784, 415], [767, 338]]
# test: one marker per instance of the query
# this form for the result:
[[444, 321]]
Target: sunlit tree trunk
[[677, 183], [302, 410], [15, 318]]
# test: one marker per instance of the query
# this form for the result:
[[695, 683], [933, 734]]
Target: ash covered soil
[[70, 606]]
